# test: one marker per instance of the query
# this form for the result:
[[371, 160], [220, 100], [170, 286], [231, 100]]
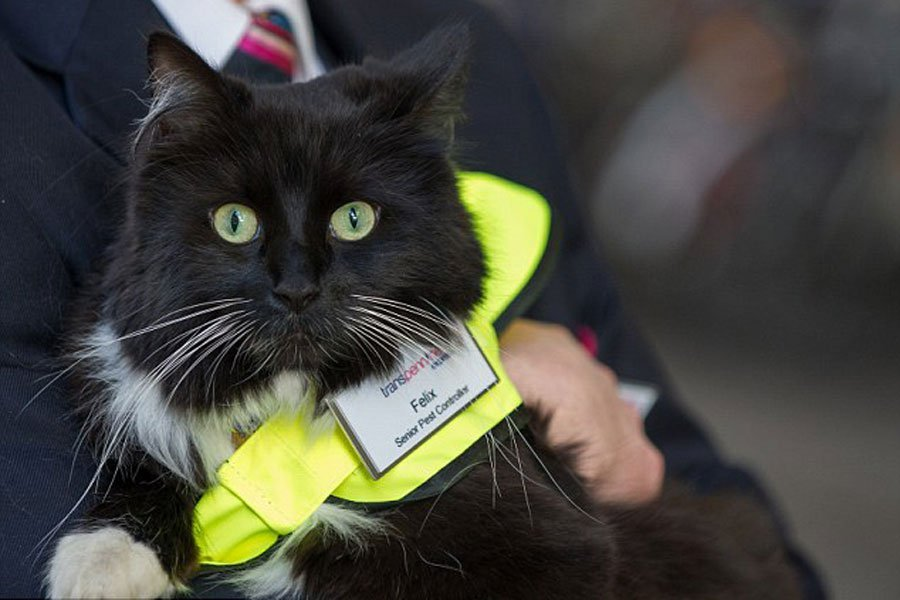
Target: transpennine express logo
[[433, 359]]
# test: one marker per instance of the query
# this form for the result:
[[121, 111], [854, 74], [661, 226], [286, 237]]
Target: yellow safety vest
[[281, 474]]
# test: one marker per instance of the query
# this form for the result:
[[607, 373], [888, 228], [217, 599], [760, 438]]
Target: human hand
[[579, 399]]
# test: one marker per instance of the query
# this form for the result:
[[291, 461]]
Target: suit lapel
[[43, 32], [334, 30], [107, 68], [106, 71], [357, 28]]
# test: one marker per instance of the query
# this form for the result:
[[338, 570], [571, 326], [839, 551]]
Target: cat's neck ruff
[[136, 412]]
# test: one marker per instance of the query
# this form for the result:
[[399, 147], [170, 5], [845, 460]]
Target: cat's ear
[[187, 93], [427, 81]]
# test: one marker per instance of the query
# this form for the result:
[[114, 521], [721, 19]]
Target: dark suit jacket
[[71, 85]]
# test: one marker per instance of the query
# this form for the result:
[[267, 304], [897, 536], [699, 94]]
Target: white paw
[[106, 563]]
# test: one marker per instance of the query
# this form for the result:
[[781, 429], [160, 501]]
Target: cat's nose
[[296, 297]]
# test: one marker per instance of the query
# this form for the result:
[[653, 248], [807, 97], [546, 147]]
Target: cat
[[258, 220]]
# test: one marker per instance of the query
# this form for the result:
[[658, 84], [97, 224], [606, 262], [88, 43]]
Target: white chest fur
[[137, 411]]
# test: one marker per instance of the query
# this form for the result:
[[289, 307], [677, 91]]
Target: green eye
[[235, 223], [353, 221]]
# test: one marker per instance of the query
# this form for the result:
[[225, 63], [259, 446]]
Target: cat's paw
[[106, 563]]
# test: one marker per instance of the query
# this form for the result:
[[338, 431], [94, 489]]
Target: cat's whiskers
[[122, 421], [366, 345], [437, 309], [192, 345], [215, 340], [329, 356], [362, 346], [333, 333], [116, 429], [439, 318], [457, 569], [388, 331], [330, 327], [342, 355], [391, 307], [377, 336], [491, 442], [121, 318], [453, 480], [239, 336], [179, 337], [374, 334], [495, 448], [402, 333], [242, 348], [513, 459], [515, 431], [90, 351], [314, 339], [220, 305], [262, 365], [521, 470], [411, 326]]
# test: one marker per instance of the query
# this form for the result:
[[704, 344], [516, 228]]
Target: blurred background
[[741, 164]]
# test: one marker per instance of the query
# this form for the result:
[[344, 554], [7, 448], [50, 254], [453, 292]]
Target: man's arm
[[577, 403], [45, 240]]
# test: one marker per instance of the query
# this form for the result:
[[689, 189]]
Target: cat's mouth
[[365, 338], [333, 362], [304, 348], [314, 345]]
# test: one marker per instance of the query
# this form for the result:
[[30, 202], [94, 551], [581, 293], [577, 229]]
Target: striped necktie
[[268, 51]]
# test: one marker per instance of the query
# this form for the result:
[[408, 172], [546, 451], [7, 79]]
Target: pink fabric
[[273, 29], [254, 48], [588, 339]]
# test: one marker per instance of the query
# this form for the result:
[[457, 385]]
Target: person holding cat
[[66, 118]]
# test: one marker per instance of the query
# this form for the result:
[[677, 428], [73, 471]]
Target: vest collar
[[276, 480]]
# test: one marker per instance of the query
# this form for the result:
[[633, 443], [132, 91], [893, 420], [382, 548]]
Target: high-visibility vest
[[282, 473]]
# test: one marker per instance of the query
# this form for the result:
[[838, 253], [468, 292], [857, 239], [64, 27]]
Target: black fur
[[294, 154], [380, 132], [498, 535]]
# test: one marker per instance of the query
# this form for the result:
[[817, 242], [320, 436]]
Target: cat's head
[[309, 226]]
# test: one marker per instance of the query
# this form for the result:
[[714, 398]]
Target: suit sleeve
[[52, 183]]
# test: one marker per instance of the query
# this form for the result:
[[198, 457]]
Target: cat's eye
[[353, 221], [235, 223]]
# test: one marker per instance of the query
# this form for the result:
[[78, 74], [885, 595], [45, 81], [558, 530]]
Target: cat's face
[[322, 217]]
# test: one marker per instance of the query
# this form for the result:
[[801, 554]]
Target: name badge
[[386, 418]]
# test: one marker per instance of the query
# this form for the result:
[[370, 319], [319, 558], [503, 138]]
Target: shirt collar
[[213, 28]]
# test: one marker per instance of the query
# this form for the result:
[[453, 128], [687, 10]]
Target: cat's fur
[[185, 337]]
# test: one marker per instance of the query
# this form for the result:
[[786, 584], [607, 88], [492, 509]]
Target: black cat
[[260, 221]]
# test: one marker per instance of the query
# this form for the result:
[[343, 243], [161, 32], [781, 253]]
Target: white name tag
[[387, 418]]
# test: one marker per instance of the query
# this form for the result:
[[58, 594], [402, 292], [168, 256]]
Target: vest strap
[[283, 472]]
